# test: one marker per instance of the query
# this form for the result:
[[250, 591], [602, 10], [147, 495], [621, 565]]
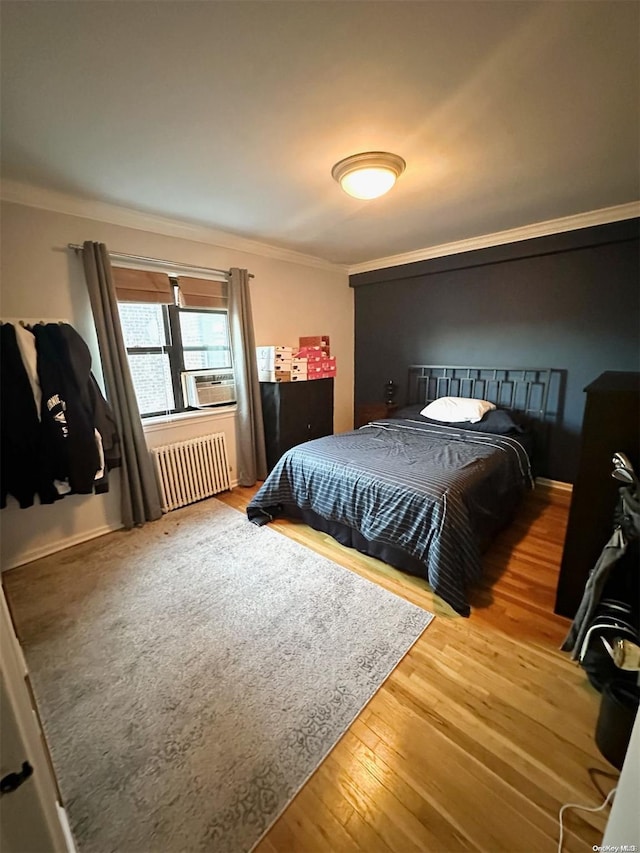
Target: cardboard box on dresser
[[311, 359]]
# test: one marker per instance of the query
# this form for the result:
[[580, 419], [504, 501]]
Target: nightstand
[[366, 412]]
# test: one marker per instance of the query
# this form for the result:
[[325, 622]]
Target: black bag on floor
[[612, 619]]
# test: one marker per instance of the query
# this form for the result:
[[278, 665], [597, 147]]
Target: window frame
[[175, 318], [174, 349]]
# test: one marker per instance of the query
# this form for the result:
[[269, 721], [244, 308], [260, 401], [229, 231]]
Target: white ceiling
[[231, 114]]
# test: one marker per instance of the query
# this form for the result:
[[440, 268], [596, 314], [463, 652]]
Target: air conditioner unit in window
[[203, 388]]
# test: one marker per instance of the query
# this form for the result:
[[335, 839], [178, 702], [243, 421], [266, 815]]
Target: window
[[164, 339], [205, 339], [147, 339]]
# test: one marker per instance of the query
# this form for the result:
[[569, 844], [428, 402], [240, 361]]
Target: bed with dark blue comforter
[[424, 497]]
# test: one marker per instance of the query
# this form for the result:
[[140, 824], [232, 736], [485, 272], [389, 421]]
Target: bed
[[424, 496]]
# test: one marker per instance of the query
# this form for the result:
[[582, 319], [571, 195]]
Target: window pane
[[152, 382], [206, 329], [142, 324], [205, 359]]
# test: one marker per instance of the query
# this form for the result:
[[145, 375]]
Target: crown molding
[[499, 238], [28, 195]]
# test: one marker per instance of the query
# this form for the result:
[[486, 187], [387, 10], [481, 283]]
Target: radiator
[[191, 470]]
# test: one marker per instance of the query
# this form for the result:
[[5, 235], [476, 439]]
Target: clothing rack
[[31, 321], [121, 256]]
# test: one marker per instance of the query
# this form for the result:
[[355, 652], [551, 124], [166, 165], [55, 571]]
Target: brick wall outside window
[[143, 326]]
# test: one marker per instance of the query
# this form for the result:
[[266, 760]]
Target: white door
[[31, 817]]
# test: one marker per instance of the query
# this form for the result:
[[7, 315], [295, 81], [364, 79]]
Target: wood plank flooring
[[482, 732]]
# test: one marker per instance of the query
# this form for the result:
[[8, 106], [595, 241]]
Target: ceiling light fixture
[[368, 175]]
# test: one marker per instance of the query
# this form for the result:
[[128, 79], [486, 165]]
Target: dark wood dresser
[[611, 423], [294, 412]]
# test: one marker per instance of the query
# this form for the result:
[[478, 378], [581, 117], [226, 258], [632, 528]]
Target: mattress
[[430, 494]]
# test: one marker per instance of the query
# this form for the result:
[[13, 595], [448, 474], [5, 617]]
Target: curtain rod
[[190, 267]]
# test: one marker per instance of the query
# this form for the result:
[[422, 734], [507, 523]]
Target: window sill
[[162, 421]]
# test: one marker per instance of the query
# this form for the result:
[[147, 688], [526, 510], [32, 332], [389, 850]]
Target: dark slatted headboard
[[523, 389]]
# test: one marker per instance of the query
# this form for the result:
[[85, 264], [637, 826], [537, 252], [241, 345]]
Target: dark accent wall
[[568, 301]]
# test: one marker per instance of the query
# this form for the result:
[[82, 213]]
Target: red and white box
[[324, 369], [323, 374], [291, 364], [321, 341], [310, 355], [310, 352]]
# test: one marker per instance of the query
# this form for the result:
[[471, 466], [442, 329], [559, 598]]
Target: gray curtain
[[140, 497], [252, 459]]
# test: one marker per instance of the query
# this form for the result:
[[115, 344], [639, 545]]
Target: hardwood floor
[[482, 732]]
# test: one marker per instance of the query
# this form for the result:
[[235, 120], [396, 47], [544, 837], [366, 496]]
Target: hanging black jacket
[[25, 467], [77, 355], [67, 427]]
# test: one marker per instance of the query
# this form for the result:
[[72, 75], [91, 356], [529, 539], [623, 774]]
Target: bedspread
[[432, 491]]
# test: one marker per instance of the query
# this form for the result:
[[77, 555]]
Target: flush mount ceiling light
[[368, 175]]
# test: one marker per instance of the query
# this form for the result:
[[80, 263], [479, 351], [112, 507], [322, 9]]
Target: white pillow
[[457, 409]]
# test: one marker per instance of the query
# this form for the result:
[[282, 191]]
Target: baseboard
[[66, 829], [558, 485], [60, 545]]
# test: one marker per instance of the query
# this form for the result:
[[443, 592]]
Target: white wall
[[42, 279]]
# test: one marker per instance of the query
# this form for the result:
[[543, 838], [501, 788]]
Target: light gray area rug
[[191, 675]]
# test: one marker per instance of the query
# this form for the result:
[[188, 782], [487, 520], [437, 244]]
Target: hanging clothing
[[27, 346], [69, 443], [97, 408], [25, 468], [67, 422], [626, 530]]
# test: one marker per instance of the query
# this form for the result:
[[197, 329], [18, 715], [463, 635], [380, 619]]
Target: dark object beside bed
[[425, 497]]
